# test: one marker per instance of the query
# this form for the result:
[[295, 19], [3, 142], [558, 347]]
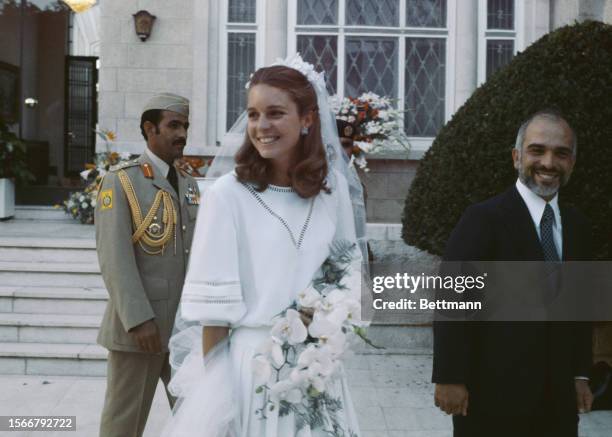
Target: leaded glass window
[[371, 65], [242, 11], [322, 52], [317, 12], [500, 14], [383, 13], [499, 54], [425, 85], [393, 48], [240, 65], [426, 13]]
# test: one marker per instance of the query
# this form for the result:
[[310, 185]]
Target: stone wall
[[387, 185], [131, 70]]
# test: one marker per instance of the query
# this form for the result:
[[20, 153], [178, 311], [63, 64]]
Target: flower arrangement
[[297, 366], [378, 125], [81, 204]]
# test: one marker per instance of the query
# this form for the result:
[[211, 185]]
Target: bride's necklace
[[296, 243]]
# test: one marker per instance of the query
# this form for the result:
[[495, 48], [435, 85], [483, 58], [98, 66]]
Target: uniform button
[[186, 250], [184, 228]]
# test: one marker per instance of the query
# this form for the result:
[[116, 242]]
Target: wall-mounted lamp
[[143, 22]]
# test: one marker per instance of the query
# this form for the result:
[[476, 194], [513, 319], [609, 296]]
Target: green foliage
[[470, 160], [13, 162]]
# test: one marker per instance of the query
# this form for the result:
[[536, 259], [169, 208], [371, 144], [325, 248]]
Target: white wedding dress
[[252, 254]]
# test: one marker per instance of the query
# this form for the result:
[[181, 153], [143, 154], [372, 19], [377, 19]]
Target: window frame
[[225, 29], [516, 35], [400, 33]]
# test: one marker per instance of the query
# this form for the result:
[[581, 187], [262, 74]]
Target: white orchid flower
[[272, 349], [309, 297], [290, 328], [322, 326], [286, 390], [305, 379]]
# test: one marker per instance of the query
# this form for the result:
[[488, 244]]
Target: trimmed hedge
[[470, 159]]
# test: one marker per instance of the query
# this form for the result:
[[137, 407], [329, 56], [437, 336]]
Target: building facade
[[427, 55]]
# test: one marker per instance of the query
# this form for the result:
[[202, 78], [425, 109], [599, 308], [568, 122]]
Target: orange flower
[[90, 166], [110, 135]]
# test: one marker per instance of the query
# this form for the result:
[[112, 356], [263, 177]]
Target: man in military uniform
[[145, 218]]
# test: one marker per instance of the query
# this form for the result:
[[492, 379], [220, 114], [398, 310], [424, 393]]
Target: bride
[[262, 234]]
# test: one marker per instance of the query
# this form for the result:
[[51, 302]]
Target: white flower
[[287, 391], [316, 360], [351, 119], [309, 297], [81, 198], [290, 328], [125, 156], [262, 370], [322, 326], [305, 378], [85, 173], [84, 205], [272, 349]]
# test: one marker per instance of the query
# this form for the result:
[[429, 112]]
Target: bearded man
[[516, 378]]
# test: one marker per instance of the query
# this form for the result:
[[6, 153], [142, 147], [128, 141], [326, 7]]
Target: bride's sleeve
[[212, 293]]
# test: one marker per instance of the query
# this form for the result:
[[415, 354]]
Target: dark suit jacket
[[510, 368]]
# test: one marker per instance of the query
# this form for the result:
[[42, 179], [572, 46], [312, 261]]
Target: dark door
[[81, 113]]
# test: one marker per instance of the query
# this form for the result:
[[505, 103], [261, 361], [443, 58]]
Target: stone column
[[466, 49], [275, 31]]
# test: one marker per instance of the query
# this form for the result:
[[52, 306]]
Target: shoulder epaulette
[[124, 164]]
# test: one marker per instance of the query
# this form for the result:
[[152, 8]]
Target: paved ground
[[391, 393]]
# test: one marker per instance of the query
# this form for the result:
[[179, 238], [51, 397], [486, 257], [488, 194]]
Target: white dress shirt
[[535, 205], [159, 163]]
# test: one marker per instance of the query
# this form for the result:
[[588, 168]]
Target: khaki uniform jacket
[[141, 286]]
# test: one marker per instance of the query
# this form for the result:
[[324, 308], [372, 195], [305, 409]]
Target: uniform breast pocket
[[192, 212]]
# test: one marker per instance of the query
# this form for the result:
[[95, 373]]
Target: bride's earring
[[304, 131]]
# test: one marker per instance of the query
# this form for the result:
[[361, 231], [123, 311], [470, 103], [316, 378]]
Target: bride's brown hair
[[310, 169]]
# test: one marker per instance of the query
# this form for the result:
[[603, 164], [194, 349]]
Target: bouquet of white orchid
[[378, 124], [297, 365]]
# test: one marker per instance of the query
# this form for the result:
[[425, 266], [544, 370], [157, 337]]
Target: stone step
[[49, 328], [27, 212], [53, 255], [41, 274], [51, 300], [52, 359]]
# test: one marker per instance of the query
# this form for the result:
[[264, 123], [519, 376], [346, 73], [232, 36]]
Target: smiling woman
[[262, 237], [283, 145]]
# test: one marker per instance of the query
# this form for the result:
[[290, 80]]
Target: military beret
[[168, 102]]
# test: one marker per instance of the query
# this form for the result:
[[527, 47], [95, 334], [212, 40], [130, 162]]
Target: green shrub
[[470, 159]]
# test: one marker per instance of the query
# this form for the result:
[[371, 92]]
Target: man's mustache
[[180, 142]]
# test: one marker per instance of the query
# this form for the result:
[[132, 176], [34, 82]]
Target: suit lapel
[[568, 232], [518, 221]]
